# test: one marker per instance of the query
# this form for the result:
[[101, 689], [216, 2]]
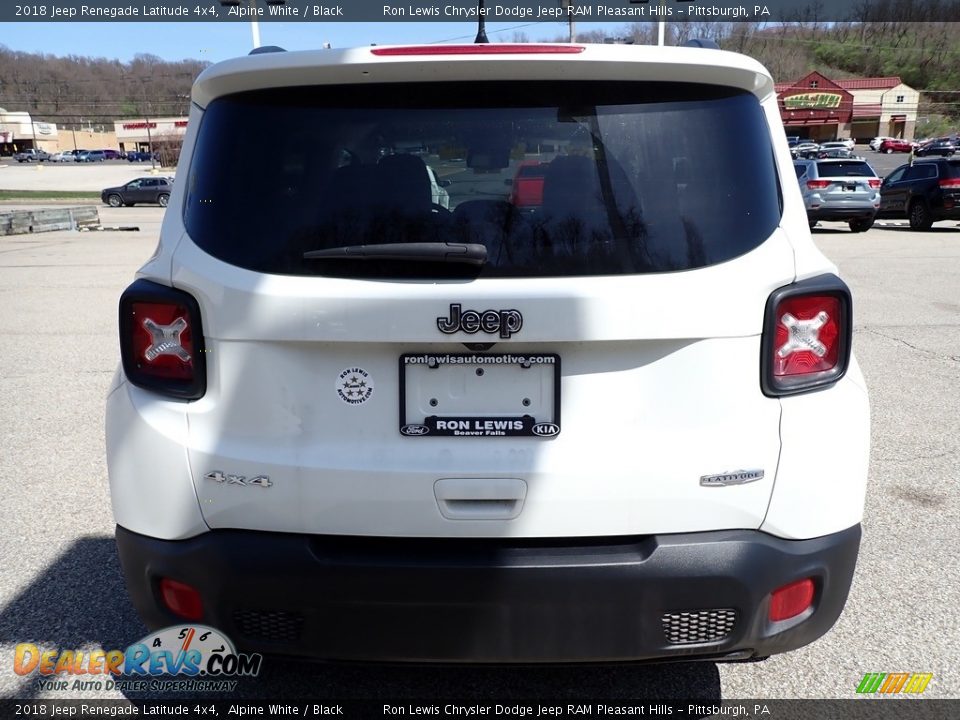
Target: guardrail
[[22, 222]]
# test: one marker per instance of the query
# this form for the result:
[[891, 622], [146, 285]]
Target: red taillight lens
[[874, 182], [949, 183], [479, 49], [818, 184], [161, 341], [181, 599], [791, 600], [807, 334]]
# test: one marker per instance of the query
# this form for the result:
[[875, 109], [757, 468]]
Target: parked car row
[[923, 192], [801, 148], [34, 155]]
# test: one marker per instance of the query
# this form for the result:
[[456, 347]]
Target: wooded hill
[[76, 90]]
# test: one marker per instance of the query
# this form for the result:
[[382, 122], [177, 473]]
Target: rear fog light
[[181, 599], [791, 600]]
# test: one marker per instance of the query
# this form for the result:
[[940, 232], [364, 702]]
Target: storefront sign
[[813, 101]]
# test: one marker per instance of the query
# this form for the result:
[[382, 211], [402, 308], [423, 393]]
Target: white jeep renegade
[[489, 353]]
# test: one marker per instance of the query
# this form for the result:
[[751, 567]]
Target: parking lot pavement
[[61, 585], [76, 176]]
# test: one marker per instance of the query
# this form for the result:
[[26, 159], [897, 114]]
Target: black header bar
[[614, 11]]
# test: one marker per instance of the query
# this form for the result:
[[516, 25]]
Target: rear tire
[[163, 200], [114, 201], [861, 225], [920, 217]]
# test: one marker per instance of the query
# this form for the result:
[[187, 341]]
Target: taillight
[[807, 333], [874, 182], [161, 340], [818, 184], [950, 182]]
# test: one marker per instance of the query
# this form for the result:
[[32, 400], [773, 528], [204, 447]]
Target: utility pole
[[662, 24]]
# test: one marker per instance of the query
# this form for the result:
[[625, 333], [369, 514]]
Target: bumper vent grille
[[270, 625], [698, 626]]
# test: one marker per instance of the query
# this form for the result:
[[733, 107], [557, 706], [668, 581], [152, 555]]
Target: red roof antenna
[[481, 27]]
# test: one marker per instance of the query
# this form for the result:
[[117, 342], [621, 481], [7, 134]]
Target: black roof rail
[[266, 49], [701, 43]]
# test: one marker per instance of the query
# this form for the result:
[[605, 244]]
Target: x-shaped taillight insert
[[803, 334], [165, 340]]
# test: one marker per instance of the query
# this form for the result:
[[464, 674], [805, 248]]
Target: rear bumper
[[841, 213], [698, 595]]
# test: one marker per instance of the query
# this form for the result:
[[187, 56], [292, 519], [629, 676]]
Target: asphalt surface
[[60, 585], [73, 176]]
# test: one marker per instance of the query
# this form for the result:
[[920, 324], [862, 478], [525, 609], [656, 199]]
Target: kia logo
[[415, 430], [546, 429]]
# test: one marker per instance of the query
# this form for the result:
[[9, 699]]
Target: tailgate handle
[[480, 498]]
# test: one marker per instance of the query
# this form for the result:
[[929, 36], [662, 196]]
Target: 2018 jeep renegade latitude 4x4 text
[[622, 422]]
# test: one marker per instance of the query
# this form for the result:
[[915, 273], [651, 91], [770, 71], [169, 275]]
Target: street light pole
[[661, 23], [254, 25]]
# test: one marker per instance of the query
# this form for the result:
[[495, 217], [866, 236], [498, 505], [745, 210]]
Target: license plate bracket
[[480, 394]]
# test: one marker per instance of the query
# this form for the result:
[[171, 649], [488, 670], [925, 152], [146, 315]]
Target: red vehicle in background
[[527, 192], [894, 145]]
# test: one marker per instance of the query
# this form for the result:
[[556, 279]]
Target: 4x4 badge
[[504, 322], [228, 479]]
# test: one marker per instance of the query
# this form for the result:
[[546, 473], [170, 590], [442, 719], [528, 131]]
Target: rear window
[[853, 168], [951, 169], [637, 177]]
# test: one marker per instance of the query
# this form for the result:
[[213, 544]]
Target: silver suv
[[845, 189]]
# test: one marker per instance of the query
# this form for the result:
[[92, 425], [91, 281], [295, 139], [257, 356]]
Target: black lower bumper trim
[[686, 596]]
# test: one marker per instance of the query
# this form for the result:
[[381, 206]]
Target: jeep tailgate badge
[[505, 322]]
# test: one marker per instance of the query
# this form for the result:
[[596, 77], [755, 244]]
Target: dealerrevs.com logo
[[178, 658], [894, 683]]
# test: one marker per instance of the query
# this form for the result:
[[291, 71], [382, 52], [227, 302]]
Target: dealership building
[[819, 108]]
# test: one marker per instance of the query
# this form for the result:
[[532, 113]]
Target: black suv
[[141, 190], [924, 192]]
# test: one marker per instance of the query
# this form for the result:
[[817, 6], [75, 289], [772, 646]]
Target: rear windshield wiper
[[468, 253]]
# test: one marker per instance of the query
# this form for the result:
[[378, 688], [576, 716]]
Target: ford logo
[[415, 430], [546, 429]]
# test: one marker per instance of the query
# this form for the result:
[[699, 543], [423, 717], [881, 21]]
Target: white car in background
[[356, 420], [63, 156], [438, 193]]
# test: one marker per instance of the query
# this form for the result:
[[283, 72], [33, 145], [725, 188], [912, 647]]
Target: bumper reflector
[[181, 599], [791, 600]]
